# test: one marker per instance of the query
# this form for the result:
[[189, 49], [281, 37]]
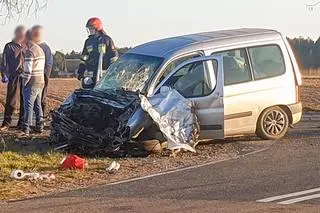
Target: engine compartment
[[94, 122]]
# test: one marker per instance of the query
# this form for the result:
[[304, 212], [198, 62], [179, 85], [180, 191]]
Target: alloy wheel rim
[[274, 122]]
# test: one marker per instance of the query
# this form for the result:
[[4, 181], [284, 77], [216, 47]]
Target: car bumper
[[296, 111]]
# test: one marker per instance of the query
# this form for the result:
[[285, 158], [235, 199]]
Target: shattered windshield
[[130, 72]]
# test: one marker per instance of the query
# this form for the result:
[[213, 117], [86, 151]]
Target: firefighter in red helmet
[[98, 54]]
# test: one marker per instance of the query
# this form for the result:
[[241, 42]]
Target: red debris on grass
[[73, 162]]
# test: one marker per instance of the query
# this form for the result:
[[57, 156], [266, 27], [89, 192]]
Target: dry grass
[[35, 155], [45, 163]]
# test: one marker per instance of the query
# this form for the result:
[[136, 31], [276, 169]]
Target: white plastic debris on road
[[175, 117], [114, 167], [20, 175]]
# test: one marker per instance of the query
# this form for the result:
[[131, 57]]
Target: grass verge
[[35, 155]]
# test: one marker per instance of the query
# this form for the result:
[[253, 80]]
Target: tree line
[[307, 52]]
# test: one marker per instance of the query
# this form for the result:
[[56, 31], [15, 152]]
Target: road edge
[[184, 168]]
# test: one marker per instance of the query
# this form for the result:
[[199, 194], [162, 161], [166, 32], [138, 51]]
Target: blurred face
[[91, 31], [37, 35], [20, 34]]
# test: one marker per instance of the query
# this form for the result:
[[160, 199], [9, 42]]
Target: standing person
[[98, 43], [11, 69], [33, 82], [38, 36]]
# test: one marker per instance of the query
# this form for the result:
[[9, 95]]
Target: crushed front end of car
[[94, 122], [101, 120]]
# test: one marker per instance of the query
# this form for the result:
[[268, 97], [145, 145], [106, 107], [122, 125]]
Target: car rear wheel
[[273, 124]]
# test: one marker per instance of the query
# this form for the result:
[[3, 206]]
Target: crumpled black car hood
[[94, 122]]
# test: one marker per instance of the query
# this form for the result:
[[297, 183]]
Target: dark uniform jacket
[[12, 60], [49, 58], [91, 53]]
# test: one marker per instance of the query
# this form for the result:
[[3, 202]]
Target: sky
[[133, 22]]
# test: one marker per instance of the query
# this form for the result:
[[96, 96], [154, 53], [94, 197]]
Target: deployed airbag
[[176, 118]]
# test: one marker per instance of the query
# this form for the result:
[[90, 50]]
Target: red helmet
[[95, 23]]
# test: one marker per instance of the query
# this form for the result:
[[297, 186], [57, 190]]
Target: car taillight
[[298, 94]]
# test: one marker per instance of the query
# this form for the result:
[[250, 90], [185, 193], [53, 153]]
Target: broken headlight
[[87, 81]]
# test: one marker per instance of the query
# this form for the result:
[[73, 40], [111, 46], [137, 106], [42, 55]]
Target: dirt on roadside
[[310, 94]]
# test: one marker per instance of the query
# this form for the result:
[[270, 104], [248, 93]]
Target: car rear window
[[267, 61]]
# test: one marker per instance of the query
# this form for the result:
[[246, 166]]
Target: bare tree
[[312, 6], [19, 8]]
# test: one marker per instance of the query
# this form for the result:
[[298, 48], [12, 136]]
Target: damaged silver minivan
[[242, 82]]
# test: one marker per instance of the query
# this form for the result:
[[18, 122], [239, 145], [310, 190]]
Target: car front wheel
[[273, 124]]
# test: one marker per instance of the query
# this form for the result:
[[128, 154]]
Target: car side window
[[267, 61], [235, 66], [171, 66], [192, 80]]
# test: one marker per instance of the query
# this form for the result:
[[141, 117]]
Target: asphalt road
[[259, 182]]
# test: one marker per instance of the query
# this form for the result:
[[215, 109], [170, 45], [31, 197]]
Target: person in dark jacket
[[98, 44], [37, 32], [11, 69]]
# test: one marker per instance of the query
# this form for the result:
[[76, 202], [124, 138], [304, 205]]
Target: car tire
[[273, 124]]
